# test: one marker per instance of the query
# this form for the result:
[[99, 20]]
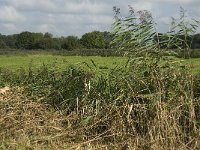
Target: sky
[[76, 17]]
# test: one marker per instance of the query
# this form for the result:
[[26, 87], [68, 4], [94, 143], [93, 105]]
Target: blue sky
[[76, 17]]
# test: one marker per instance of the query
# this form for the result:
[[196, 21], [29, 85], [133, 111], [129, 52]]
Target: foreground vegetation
[[150, 108], [149, 102]]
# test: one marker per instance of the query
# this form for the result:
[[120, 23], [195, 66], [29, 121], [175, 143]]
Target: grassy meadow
[[15, 62]]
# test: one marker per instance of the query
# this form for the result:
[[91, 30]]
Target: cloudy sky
[[76, 17]]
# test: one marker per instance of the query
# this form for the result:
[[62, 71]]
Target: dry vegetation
[[27, 123]]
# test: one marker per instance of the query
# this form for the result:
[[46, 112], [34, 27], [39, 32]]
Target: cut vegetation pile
[[26, 123]]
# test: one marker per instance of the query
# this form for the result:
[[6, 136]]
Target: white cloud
[[33, 5], [9, 26], [65, 17], [86, 6], [45, 28], [9, 14], [142, 6], [180, 2]]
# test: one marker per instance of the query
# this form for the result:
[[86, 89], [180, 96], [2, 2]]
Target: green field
[[194, 64], [15, 62]]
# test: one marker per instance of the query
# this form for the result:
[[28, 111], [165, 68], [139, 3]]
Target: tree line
[[30, 41], [91, 40]]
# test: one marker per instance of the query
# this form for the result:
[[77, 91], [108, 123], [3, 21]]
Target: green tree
[[45, 43], [93, 39], [196, 41], [11, 40], [70, 43], [107, 39], [48, 35], [36, 38], [2, 44], [25, 40], [57, 43]]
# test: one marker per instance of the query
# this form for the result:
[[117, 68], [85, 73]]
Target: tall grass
[[151, 108]]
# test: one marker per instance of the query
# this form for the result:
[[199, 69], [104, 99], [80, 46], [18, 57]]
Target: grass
[[15, 62], [194, 63]]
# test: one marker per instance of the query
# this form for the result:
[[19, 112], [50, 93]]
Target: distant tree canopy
[[70, 43], [196, 41], [91, 40], [2, 44], [107, 36], [29, 40], [2, 41], [25, 40]]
